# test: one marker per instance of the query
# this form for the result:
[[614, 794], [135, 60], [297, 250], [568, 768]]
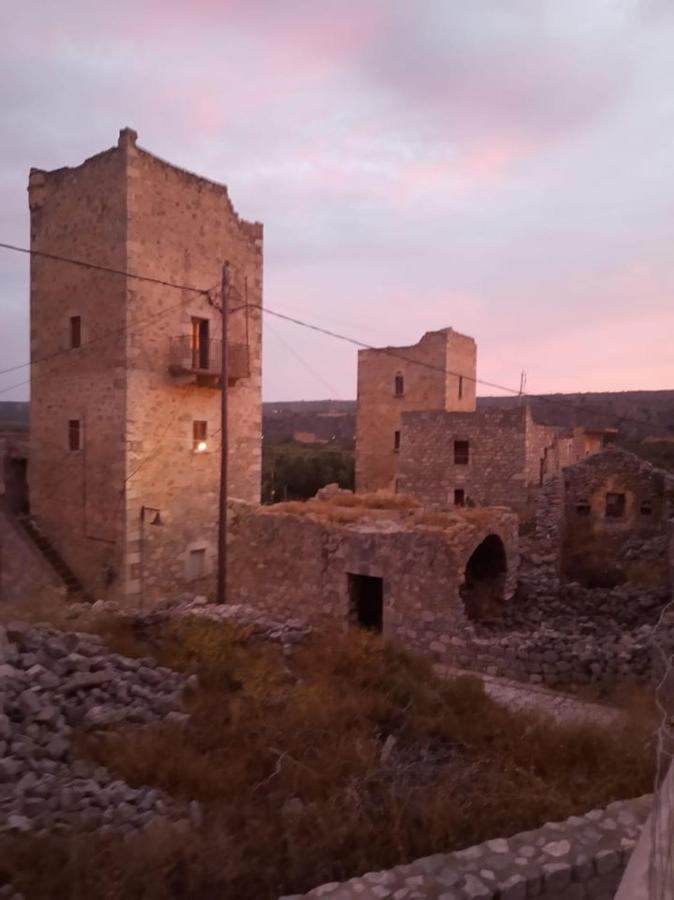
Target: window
[[461, 453], [399, 385], [199, 435], [396, 441], [646, 508], [615, 506], [583, 508], [75, 332], [196, 567], [460, 387], [74, 435], [459, 497], [366, 601], [200, 343]]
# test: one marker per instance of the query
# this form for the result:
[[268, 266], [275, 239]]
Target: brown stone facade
[[437, 373], [294, 563], [490, 457], [113, 419], [616, 511]]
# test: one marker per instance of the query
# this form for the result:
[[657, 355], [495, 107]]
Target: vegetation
[[347, 757], [296, 471]]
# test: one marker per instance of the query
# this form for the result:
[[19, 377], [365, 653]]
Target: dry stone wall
[[582, 858]]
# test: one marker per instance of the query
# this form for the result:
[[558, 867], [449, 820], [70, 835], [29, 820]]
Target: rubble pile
[[52, 685]]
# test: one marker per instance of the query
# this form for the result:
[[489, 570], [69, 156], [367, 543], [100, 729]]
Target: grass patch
[[350, 756]]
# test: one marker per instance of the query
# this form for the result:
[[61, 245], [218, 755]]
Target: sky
[[504, 167]]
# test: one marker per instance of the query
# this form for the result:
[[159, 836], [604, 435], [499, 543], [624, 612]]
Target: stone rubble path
[[534, 698]]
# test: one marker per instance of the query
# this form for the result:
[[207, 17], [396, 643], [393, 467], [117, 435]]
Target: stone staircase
[[73, 585]]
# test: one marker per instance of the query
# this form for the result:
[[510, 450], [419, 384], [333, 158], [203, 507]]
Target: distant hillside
[[637, 414]]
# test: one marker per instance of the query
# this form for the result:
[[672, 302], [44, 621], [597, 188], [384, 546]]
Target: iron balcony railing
[[205, 358]]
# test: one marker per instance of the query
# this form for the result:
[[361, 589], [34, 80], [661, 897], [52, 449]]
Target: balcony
[[201, 362]]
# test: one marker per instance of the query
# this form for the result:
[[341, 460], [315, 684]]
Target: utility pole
[[221, 596]]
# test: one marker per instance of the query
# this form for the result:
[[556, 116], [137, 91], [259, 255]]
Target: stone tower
[[437, 373], [125, 388]]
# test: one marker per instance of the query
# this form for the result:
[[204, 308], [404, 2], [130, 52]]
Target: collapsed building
[[419, 431], [126, 372]]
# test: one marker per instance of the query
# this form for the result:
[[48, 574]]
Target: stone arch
[[483, 588]]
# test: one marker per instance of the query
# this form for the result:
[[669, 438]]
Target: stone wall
[[128, 210], [582, 858], [429, 382], [497, 472], [24, 573], [630, 546], [297, 564]]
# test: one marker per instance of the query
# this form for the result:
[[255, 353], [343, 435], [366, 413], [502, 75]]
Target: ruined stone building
[[419, 432], [610, 516], [438, 373], [125, 388]]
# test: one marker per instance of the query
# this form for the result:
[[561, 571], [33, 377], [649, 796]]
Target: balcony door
[[200, 343]]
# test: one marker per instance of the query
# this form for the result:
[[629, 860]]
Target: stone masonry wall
[[182, 228], [75, 496], [582, 858], [496, 473], [426, 386], [297, 566], [133, 212]]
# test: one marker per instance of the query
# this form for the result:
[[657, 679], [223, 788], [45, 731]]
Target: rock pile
[[288, 633], [53, 683]]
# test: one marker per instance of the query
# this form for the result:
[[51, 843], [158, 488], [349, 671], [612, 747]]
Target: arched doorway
[[483, 589]]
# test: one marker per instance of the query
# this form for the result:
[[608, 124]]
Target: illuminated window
[[199, 436]]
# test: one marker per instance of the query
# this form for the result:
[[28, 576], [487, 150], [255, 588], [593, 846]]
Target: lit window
[[615, 506], [396, 441], [459, 497], [399, 385], [461, 453], [199, 436], [75, 332], [74, 435]]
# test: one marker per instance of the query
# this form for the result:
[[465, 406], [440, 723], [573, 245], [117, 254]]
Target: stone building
[[615, 515], [437, 373], [491, 457], [416, 577], [125, 387]]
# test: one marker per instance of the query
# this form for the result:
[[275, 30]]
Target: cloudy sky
[[502, 166]]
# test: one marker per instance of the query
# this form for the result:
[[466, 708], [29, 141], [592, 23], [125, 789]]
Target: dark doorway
[[484, 585], [366, 598], [16, 485]]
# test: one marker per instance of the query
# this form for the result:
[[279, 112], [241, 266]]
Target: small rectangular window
[[461, 453], [615, 506], [646, 508], [201, 344], [399, 386], [460, 387], [396, 441], [75, 332], [74, 435], [582, 508], [197, 563], [199, 436], [459, 497]]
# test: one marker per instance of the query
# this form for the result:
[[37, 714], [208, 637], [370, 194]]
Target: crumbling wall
[[297, 566]]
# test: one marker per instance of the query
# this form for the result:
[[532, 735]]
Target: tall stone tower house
[[125, 388], [437, 373]]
